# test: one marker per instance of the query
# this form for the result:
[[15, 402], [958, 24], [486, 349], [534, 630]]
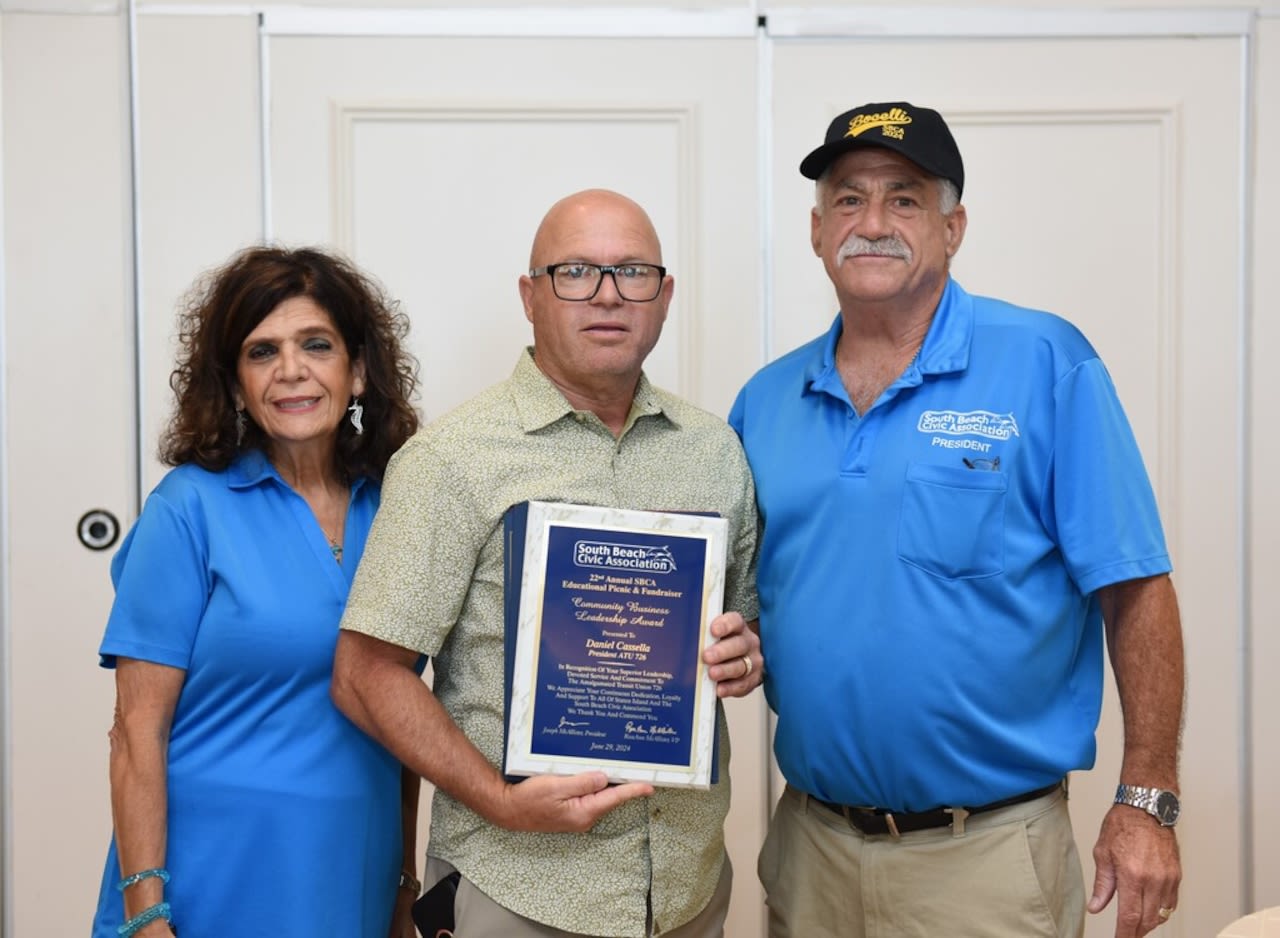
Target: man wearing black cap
[[953, 504]]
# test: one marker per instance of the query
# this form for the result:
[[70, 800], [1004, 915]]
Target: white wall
[[1260, 745]]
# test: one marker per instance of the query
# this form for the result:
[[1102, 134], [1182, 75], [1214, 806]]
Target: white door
[[74, 406], [432, 161], [1102, 182], [68, 432]]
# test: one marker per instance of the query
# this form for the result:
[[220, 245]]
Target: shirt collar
[[945, 348], [252, 467], [539, 403], [947, 343]]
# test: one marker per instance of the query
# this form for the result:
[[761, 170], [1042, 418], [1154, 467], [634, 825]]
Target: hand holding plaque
[[608, 612]]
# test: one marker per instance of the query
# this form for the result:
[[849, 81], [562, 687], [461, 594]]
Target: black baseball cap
[[919, 134]]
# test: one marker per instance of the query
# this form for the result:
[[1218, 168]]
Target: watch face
[[1167, 808]]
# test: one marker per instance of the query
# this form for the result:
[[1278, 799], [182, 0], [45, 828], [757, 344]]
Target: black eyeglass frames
[[578, 282]]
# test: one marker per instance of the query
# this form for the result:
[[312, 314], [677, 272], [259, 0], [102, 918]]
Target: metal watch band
[[1160, 803], [1137, 796]]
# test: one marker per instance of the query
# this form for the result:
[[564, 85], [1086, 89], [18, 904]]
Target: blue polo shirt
[[282, 816], [928, 569]]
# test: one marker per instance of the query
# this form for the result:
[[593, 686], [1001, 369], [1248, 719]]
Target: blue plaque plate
[[607, 616]]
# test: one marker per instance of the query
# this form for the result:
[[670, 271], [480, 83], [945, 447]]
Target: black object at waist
[[872, 821]]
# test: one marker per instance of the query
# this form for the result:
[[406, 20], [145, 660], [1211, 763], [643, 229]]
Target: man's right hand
[[552, 803]]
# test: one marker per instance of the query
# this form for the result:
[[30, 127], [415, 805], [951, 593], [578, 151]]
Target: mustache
[[855, 245]]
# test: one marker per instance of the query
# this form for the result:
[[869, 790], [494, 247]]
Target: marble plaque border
[[540, 518]]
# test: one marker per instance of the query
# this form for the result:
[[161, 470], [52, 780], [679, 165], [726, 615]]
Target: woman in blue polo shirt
[[243, 802]]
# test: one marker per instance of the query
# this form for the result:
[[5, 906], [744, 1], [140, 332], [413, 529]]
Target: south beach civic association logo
[[969, 423], [603, 555]]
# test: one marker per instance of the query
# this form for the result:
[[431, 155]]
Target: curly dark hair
[[228, 303]]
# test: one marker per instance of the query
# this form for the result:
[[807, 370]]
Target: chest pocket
[[952, 521]]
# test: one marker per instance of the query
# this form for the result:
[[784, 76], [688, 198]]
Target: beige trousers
[[1013, 873], [478, 916]]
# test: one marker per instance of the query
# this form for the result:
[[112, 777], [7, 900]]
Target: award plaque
[[607, 614]]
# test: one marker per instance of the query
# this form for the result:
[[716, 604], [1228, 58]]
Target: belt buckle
[[890, 822]]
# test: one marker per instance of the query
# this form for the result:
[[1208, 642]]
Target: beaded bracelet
[[143, 918], [162, 875]]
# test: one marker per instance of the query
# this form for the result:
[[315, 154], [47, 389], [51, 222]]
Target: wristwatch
[[1160, 803], [410, 882]]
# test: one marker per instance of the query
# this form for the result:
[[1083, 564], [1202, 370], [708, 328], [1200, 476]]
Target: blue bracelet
[[145, 917], [128, 881]]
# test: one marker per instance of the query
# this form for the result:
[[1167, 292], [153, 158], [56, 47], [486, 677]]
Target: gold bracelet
[[409, 881]]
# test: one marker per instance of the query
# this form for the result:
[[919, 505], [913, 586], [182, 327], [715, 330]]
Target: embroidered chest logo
[[969, 423]]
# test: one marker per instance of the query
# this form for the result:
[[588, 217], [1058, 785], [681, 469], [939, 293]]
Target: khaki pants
[[1013, 873], [478, 916]]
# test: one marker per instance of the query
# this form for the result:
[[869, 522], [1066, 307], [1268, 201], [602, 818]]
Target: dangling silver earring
[[241, 423], [357, 414]]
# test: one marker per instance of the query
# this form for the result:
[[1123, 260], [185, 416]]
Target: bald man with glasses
[[578, 422]]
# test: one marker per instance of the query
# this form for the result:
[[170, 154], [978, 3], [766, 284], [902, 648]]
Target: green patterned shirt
[[431, 580]]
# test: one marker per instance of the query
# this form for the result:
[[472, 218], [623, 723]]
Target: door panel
[[1102, 182], [200, 194], [432, 161], [409, 198], [69, 438]]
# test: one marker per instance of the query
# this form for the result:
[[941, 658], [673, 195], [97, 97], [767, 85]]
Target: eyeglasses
[[579, 282]]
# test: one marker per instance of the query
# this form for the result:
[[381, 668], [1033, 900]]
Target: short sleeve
[[1103, 507], [740, 578], [161, 579], [421, 554]]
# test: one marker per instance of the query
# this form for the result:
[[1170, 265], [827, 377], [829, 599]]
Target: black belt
[[882, 821]]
